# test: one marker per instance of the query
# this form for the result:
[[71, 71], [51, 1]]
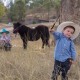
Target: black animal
[[29, 34]]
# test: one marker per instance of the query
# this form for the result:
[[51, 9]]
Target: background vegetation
[[35, 63]]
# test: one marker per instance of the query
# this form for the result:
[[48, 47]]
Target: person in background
[[5, 38], [64, 53]]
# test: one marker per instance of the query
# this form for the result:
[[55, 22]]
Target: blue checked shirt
[[64, 48]]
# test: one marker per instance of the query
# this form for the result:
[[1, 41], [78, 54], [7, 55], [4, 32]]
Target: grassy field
[[31, 64], [34, 63]]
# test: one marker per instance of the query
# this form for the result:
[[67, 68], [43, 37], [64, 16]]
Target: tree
[[57, 4], [20, 10], [41, 6], [70, 11], [25, 1], [17, 11], [2, 10], [10, 12]]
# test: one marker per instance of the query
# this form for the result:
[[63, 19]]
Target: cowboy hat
[[69, 23], [4, 31]]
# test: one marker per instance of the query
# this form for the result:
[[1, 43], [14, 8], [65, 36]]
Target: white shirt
[[5, 38]]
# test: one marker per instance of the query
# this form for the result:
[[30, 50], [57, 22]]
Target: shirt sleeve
[[73, 51], [2, 38], [9, 37], [56, 35]]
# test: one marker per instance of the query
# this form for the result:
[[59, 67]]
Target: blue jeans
[[62, 67]]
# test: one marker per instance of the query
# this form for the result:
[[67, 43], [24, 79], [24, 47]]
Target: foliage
[[17, 11], [38, 3], [57, 4], [2, 10], [20, 10], [26, 1], [46, 3], [11, 11]]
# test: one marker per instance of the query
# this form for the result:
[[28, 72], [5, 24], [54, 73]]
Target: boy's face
[[68, 32], [4, 34]]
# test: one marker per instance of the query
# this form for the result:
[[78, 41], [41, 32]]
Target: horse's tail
[[47, 36]]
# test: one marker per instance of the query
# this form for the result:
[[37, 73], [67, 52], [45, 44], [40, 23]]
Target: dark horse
[[29, 34]]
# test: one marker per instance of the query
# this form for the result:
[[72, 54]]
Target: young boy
[[64, 53], [5, 38]]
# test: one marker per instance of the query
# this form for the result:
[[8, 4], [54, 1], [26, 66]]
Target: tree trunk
[[70, 11]]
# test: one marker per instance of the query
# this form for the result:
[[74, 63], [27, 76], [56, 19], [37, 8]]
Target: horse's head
[[16, 27]]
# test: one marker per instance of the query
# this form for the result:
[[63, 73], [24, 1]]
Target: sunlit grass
[[34, 63]]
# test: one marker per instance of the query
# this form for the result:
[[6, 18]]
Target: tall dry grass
[[31, 64]]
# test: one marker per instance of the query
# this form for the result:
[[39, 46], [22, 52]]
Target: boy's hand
[[71, 61], [51, 30]]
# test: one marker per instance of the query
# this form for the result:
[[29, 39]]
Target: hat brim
[[69, 23], [7, 32]]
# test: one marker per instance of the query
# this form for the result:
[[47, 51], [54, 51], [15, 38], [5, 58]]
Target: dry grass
[[3, 25], [20, 64], [31, 64]]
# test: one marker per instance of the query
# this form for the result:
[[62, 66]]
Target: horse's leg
[[47, 43], [24, 39], [43, 41], [42, 44], [24, 46], [24, 43], [45, 38]]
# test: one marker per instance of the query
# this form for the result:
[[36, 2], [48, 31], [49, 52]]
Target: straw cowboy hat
[[69, 23], [4, 31]]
